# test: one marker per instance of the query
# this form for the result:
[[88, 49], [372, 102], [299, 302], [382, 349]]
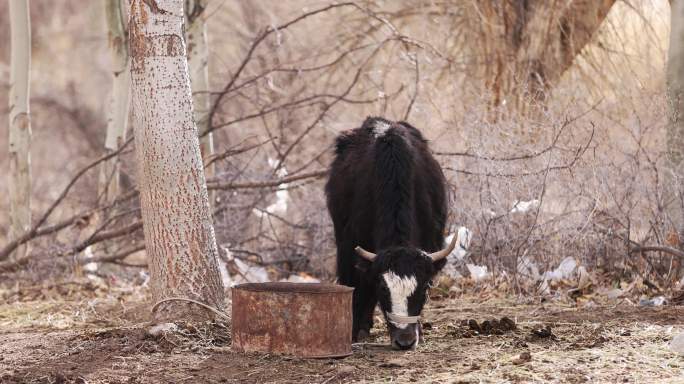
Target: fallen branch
[[658, 248]]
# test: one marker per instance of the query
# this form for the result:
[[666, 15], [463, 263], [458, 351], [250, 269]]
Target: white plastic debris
[[524, 206], [465, 236], [144, 278], [528, 269], [458, 255], [478, 272], [612, 293], [300, 279], [162, 328], [564, 270], [87, 255], [653, 302], [249, 274], [246, 273], [279, 207], [543, 288], [451, 271], [677, 344], [225, 275]]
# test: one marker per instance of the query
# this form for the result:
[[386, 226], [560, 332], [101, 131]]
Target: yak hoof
[[362, 335]]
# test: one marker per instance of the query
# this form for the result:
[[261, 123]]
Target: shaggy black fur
[[386, 194]]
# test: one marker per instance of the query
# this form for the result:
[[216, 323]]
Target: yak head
[[402, 277]]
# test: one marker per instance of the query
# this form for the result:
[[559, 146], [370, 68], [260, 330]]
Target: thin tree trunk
[[198, 59], [675, 128], [179, 234], [20, 122], [117, 120]]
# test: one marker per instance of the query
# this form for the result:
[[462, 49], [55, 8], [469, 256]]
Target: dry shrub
[[289, 77]]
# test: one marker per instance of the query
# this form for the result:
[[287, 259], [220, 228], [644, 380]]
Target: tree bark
[[20, 122], [179, 234], [117, 121], [675, 127], [198, 59], [527, 45]]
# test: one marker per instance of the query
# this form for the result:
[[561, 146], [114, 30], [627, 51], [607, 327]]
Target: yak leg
[[364, 306]]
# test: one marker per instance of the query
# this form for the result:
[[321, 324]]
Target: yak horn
[[370, 256], [439, 255]]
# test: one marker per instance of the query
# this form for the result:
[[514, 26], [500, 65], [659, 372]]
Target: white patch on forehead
[[400, 289], [380, 128]]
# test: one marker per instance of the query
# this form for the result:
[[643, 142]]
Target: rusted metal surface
[[304, 320]]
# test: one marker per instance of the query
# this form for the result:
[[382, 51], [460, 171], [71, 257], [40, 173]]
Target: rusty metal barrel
[[299, 319]]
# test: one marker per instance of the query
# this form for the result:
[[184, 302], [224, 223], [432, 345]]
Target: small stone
[[522, 358], [345, 370], [393, 363], [677, 344], [653, 302], [427, 325]]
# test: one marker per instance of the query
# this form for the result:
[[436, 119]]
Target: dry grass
[[600, 184], [91, 337]]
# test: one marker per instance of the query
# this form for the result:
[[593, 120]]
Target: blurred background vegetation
[[556, 106]]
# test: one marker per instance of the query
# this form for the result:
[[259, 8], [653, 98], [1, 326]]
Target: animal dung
[[543, 332], [490, 327], [299, 319]]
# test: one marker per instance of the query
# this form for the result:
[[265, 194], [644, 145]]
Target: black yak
[[387, 198]]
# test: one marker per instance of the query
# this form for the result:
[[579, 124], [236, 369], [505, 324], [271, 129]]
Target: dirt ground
[[94, 339]]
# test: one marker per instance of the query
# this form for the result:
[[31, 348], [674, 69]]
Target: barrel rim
[[287, 287]]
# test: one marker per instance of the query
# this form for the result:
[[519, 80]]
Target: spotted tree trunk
[[675, 129], [117, 120], [19, 122], [198, 59], [179, 234]]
